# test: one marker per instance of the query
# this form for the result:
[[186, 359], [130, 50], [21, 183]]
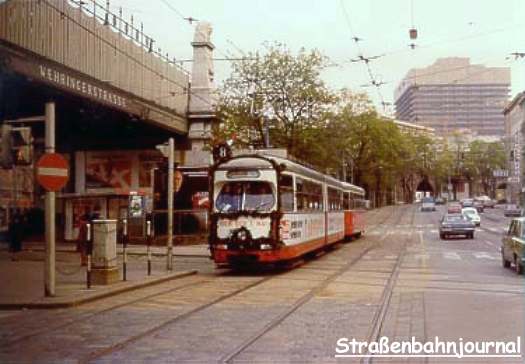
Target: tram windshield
[[245, 196]]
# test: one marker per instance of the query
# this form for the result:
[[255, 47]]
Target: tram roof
[[291, 166]]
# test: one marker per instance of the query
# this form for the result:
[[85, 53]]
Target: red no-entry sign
[[52, 171]]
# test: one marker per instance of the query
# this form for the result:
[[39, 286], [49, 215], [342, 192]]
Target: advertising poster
[[108, 171]]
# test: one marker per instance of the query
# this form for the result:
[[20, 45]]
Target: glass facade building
[[452, 94]]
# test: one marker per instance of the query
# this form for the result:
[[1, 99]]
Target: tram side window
[[357, 201], [309, 195], [346, 200], [334, 199], [286, 191]]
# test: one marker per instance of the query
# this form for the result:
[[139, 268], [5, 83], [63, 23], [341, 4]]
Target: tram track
[[229, 358], [70, 323], [100, 353], [253, 338], [91, 315], [386, 297]]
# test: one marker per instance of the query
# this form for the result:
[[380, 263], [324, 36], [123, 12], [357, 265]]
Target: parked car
[[440, 201], [478, 205], [513, 245], [456, 224], [472, 214], [428, 204], [467, 202], [454, 208], [512, 210]]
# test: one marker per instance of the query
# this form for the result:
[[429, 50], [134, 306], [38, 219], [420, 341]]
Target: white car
[[472, 214]]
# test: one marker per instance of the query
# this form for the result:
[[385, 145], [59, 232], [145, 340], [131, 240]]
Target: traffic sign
[[52, 171]]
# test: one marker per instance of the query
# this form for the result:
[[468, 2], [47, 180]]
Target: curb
[[65, 303]]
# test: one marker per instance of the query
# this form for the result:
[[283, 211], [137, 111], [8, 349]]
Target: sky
[[487, 31]]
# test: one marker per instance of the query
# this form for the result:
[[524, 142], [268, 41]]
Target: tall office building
[[453, 94]]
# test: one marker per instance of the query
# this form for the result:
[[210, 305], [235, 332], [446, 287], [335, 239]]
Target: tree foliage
[[338, 132]]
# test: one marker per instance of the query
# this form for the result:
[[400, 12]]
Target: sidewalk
[[200, 250], [22, 282]]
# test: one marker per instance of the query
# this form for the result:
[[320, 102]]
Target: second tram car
[[269, 209]]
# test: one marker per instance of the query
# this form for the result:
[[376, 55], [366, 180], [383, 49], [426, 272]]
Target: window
[[286, 192], [346, 200], [247, 195], [334, 199], [309, 195], [357, 201]]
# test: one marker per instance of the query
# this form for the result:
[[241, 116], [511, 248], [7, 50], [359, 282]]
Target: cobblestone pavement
[[398, 281]]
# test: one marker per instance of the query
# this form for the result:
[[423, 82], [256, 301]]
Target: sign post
[[49, 268], [52, 174], [171, 160]]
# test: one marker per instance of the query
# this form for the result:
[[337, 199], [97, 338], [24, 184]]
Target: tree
[[481, 160], [339, 133], [284, 88]]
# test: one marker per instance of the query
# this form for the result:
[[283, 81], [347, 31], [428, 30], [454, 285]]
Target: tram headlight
[[266, 247], [242, 235], [222, 246]]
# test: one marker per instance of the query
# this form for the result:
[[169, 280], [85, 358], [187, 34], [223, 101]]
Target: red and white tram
[[268, 209]]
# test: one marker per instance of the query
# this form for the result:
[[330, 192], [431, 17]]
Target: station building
[[116, 97]]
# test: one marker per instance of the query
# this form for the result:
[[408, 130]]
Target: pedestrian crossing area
[[457, 255], [428, 228]]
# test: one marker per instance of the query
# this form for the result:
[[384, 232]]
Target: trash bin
[[104, 254]]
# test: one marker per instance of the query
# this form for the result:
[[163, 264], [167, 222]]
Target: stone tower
[[201, 113]]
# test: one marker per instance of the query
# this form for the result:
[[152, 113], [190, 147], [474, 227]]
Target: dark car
[[512, 210], [478, 205], [440, 201], [428, 204], [467, 202], [513, 245], [456, 224], [454, 208]]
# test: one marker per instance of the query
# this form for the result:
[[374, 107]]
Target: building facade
[[514, 120], [116, 96], [454, 94], [414, 129]]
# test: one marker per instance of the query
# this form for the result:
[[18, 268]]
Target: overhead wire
[[367, 63]]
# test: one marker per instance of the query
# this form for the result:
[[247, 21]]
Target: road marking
[[489, 243], [434, 231], [451, 255], [484, 255], [421, 256]]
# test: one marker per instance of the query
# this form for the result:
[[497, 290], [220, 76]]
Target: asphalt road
[[400, 281]]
